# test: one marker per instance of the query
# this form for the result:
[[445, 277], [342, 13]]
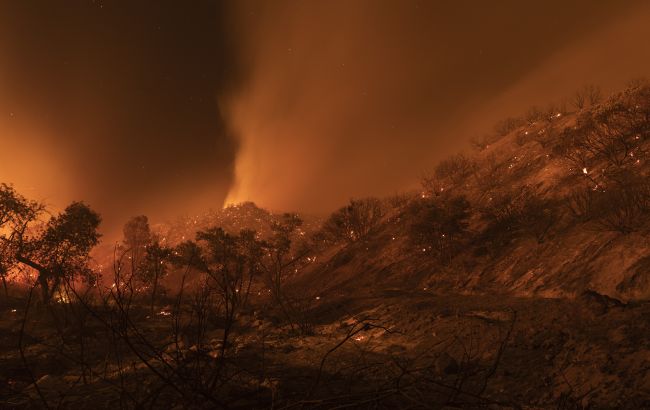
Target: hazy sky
[[167, 107]]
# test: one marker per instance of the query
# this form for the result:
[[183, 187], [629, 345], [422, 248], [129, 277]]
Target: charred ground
[[517, 278]]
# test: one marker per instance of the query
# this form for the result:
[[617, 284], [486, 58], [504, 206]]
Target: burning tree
[[60, 251], [16, 213]]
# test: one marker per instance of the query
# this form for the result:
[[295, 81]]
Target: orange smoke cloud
[[358, 98]]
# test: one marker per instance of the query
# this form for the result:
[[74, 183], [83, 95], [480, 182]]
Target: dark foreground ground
[[383, 349]]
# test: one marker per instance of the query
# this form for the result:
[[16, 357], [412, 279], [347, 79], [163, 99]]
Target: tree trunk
[[4, 284], [45, 288], [153, 291], [43, 273]]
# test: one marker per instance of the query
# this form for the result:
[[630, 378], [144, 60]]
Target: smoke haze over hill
[[165, 109]]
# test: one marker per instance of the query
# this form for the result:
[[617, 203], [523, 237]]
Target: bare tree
[[587, 95], [455, 168]]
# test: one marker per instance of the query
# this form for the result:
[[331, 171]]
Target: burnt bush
[[449, 173], [587, 96], [456, 168], [491, 175], [610, 136], [622, 206], [517, 213], [353, 221], [440, 225], [581, 203]]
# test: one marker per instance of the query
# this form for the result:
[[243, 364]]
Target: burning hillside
[[523, 263], [553, 204], [233, 219]]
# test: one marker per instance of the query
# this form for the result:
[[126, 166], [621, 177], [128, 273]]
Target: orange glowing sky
[[163, 108], [352, 99]]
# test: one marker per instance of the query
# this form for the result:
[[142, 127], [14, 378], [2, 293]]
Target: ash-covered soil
[[381, 349]]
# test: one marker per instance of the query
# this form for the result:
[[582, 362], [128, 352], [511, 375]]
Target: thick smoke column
[[359, 98], [166, 108]]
